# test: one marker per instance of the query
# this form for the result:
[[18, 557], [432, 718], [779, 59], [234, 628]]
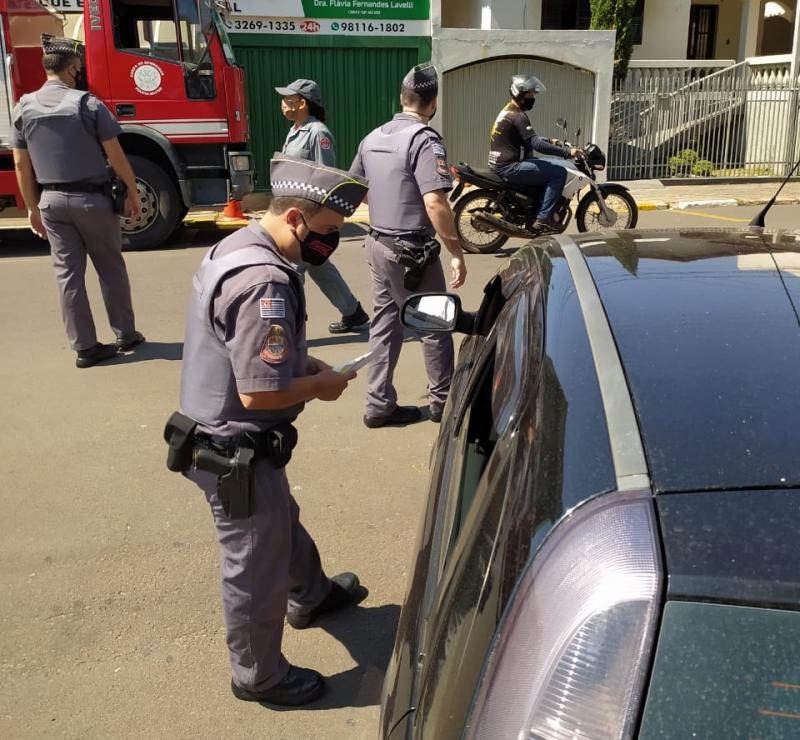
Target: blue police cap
[[300, 178], [422, 79]]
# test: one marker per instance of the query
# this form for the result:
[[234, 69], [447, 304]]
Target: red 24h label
[[310, 26]]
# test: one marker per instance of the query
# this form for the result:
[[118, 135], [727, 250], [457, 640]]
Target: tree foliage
[[616, 15]]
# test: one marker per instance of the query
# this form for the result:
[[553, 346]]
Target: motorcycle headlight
[[573, 650]]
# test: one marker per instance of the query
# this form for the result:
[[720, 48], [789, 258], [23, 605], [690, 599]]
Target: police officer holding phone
[[64, 140], [246, 376], [406, 164]]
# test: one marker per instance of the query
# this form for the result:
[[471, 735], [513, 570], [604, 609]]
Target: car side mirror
[[436, 312]]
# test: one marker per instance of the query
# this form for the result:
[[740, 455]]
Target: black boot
[[93, 355], [356, 321], [401, 416], [343, 593], [299, 686], [129, 341]]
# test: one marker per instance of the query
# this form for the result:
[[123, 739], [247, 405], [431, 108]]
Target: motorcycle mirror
[[577, 134], [561, 123]]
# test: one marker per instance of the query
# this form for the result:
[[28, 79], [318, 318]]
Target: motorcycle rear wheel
[[476, 237]]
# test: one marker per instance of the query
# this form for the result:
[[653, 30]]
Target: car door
[[481, 454]]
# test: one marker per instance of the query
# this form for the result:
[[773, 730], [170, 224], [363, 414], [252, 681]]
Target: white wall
[[513, 14], [590, 50], [665, 30]]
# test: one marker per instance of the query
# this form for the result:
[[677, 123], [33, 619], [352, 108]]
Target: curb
[[715, 203]]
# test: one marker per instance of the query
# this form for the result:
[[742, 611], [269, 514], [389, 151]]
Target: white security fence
[[705, 120]]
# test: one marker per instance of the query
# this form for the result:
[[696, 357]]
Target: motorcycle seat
[[492, 178]]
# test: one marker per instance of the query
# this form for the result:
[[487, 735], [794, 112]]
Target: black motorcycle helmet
[[523, 90]]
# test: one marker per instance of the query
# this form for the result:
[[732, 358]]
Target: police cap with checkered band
[[423, 80], [56, 45], [300, 178]]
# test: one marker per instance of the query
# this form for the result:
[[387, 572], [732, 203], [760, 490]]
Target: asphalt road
[[110, 622]]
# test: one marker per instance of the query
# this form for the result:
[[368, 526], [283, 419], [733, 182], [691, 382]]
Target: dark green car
[[611, 545]]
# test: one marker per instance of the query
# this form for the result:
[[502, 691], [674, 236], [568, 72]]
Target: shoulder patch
[[272, 308], [325, 143], [438, 149], [274, 348]]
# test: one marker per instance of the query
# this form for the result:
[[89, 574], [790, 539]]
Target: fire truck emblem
[[147, 78]]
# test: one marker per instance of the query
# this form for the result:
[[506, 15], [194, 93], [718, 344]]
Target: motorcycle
[[486, 217]]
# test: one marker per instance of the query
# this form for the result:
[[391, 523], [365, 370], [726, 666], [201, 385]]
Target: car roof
[[707, 330]]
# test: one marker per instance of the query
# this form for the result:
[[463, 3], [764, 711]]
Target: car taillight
[[572, 652]]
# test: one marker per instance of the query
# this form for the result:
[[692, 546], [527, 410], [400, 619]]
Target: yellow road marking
[[783, 715], [703, 214]]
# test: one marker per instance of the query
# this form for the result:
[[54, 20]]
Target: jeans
[[538, 172], [330, 281]]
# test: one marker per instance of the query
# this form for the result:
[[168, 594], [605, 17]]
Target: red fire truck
[[166, 69]]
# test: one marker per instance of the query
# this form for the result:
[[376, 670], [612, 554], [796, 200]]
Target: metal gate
[[701, 121], [475, 94], [360, 88]]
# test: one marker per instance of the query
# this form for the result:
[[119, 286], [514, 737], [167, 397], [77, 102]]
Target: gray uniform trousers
[[267, 561], [77, 225], [386, 332], [330, 281]]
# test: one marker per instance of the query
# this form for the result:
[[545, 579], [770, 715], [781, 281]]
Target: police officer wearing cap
[[246, 376], [406, 164], [64, 139], [310, 138]]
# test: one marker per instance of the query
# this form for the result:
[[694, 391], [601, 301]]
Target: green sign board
[[377, 9]]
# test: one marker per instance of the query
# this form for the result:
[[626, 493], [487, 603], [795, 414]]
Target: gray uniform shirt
[[257, 319], [401, 169], [313, 140], [97, 122]]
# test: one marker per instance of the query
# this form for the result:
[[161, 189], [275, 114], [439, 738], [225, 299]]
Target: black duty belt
[[77, 187], [390, 240]]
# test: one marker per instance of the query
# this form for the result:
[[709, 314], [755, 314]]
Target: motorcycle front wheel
[[476, 236], [589, 216]]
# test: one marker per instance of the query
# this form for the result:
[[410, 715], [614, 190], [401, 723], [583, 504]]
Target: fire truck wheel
[[161, 207]]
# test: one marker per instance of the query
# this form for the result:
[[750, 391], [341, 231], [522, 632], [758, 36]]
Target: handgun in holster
[[118, 192], [234, 481], [415, 256]]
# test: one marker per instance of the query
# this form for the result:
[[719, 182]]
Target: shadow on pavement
[[368, 634], [335, 339], [150, 351]]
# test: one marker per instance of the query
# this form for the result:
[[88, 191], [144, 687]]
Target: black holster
[[179, 435], [415, 256], [230, 459], [117, 191]]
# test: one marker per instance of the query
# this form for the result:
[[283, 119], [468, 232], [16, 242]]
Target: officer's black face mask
[[79, 77], [315, 247], [527, 103]]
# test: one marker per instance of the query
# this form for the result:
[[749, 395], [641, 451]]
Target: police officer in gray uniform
[[406, 164], [246, 376], [64, 139], [310, 138]]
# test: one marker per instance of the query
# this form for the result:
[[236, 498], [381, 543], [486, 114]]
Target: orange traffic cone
[[233, 210]]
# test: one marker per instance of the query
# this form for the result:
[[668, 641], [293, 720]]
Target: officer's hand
[[459, 269], [316, 365], [330, 385], [37, 227], [133, 206]]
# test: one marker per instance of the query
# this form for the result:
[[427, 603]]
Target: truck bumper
[[241, 172]]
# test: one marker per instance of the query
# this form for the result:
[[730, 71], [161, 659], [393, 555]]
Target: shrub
[[703, 168]]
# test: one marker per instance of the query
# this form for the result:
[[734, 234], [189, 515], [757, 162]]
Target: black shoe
[[356, 321], [130, 341], [401, 416], [435, 415], [544, 226], [93, 355], [343, 593], [300, 686]]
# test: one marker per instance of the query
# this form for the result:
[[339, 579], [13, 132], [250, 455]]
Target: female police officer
[[310, 138], [246, 375]]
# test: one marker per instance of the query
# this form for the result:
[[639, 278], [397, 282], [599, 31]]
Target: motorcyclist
[[512, 142]]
